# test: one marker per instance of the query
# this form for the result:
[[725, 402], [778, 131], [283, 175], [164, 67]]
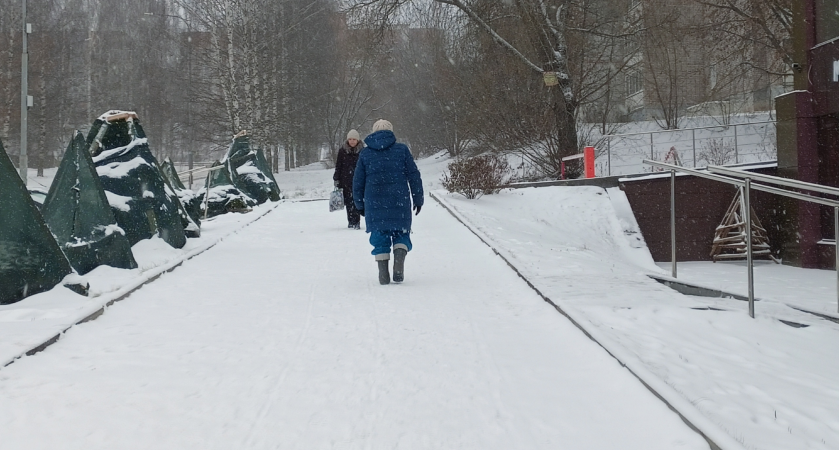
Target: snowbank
[[762, 382], [38, 319]]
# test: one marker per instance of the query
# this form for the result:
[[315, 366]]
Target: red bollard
[[562, 170], [589, 162]]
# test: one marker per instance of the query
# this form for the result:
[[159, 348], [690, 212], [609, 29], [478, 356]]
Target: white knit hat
[[382, 124], [353, 134]]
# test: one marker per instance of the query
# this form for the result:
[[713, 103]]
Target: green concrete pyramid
[[137, 190], [190, 202], [250, 173], [222, 195], [78, 214], [30, 260]]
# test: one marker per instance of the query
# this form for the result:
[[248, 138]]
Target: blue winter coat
[[384, 173]]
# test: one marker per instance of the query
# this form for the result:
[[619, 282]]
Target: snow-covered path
[[281, 337]]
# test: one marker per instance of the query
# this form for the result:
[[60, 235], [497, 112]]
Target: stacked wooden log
[[730, 242]]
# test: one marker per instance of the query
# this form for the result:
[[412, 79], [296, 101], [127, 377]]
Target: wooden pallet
[[730, 241]]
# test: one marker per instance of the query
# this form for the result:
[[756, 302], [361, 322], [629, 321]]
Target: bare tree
[[542, 36], [748, 49], [350, 88], [265, 71], [767, 23], [665, 59]]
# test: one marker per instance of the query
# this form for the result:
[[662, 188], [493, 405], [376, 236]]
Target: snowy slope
[[766, 384]]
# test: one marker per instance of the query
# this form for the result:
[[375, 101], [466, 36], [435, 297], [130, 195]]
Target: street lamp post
[[24, 97]]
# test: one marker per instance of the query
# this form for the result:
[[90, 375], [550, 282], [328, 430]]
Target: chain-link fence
[[621, 154]]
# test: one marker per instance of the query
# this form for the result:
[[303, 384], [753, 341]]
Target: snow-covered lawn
[[766, 384]]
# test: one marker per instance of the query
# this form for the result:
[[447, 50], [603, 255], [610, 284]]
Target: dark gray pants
[[353, 216]]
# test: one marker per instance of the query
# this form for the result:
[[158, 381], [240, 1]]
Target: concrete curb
[[695, 289], [130, 288], [717, 438], [818, 314], [690, 288]]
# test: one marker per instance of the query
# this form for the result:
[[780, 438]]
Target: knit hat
[[353, 134], [382, 124]]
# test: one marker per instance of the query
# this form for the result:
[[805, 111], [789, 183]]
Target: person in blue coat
[[385, 184]]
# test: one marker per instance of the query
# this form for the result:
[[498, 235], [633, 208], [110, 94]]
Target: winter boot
[[399, 264], [384, 276]]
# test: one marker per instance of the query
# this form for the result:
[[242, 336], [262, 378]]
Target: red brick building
[[807, 130]]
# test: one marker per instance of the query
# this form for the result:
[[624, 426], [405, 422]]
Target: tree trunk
[[567, 138]]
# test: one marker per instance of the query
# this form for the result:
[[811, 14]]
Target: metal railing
[[189, 175], [743, 180], [207, 186]]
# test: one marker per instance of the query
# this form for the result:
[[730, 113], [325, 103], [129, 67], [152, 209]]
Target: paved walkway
[[281, 337]]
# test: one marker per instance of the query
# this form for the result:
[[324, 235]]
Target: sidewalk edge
[[712, 433]]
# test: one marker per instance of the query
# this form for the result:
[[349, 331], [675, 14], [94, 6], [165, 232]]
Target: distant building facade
[[674, 63]]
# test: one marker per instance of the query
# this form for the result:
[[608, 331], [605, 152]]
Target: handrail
[[695, 172], [187, 175], [207, 186], [796, 184], [796, 195], [199, 169], [741, 183], [745, 185]]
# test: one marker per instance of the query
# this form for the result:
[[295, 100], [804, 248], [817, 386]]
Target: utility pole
[[24, 96], [190, 133]]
